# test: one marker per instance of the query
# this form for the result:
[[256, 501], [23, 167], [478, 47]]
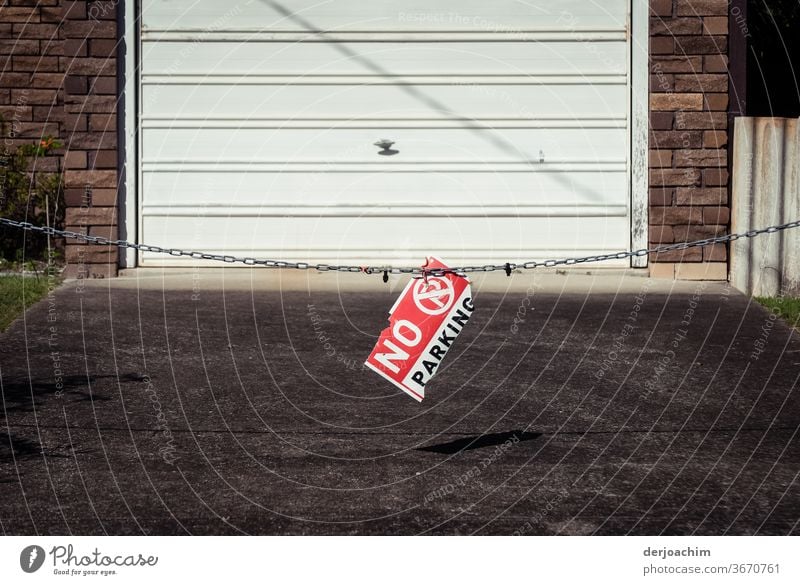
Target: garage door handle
[[386, 147]]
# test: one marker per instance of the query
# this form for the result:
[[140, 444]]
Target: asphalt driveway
[[235, 402]]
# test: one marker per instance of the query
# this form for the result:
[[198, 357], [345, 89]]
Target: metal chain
[[506, 267]]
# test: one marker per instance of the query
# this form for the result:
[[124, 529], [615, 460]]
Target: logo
[[31, 558], [435, 296]]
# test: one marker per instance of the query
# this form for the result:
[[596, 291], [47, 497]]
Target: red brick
[[661, 196], [104, 197], [34, 96], [8, 14], [35, 63], [17, 47], [716, 215], [104, 86], [676, 101], [702, 157], [695, 45], [698, 196], [94, 140], [701, 120], [75, 159], [662, 45], [102, 10], [91, 254], [75, 47], [688, 255], [715, 253], [75, 198], [47, 80], [715, 25], [8, 79], [75, 123], [661, 120], [716, 102], [676, 139], [661, 234], [661, 7], [89, 29], [75, 9], [103, 122], [99, 179], [701, 232], [701, 7], [91, 215], [715, 138], [701, 82], [715, 177], [715, 63], [660, 158], [675, 215], [676, 64], [103, 48], [104, 231], [675, 26], [102, 159], [92, 66], [663, 82], [76, 84], [90, 104], [674, 177], [35, 31]]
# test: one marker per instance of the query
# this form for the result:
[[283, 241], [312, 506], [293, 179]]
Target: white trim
[[389, 210], [589, 35], [130, 116], [639, 162], [244, 78]]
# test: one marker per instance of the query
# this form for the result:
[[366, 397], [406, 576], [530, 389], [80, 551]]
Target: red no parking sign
[[423, 323]]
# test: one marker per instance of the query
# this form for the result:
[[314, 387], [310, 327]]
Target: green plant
[[28, 195]]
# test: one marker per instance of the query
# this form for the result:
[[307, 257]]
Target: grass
[[787, 308], [17, 293]]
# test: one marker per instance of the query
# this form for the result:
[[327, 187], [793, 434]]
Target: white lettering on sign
[[424, 322]]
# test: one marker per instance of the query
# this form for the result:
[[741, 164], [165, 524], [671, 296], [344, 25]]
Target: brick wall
[[31, 99], [90, 122], [58, 77], [688, 134]]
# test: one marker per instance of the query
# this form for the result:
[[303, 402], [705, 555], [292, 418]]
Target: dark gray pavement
[[223, 405]]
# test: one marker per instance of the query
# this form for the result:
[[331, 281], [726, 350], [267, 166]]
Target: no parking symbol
[[423, 324]]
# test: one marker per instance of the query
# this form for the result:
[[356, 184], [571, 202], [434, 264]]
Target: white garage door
[[509, 122]]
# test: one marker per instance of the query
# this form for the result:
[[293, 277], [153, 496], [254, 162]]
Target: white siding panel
[[175, 102], [344, 146], [389, 15], [384, 59]]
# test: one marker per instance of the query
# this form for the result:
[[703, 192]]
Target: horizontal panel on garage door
[[341, 239], [222, 193], [384, 59], [201, 103], [422, 146], [384, 15]]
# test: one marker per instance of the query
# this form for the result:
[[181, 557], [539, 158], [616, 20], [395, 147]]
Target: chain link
[[506, 267]]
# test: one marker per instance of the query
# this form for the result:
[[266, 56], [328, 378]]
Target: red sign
[[423, 324]]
